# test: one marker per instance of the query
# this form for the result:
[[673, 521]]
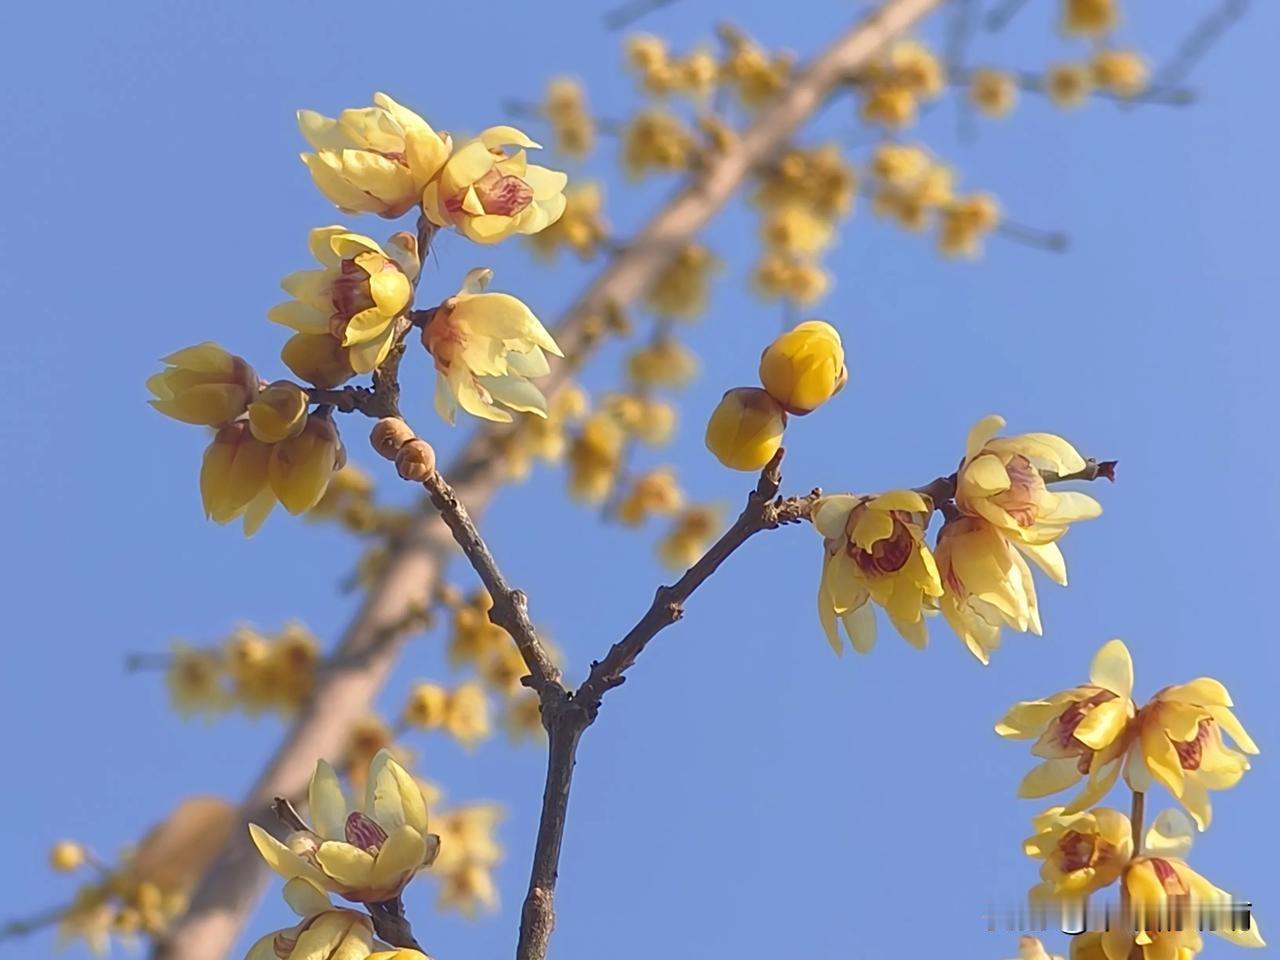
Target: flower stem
[[1135, 820]]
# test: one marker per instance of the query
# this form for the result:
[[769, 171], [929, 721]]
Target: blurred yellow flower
[[874, 550], [467, 715], [964, 221], [66, 856], [565, 106], [486, 346], [374, 159], [426, 707], [365, 855], [194, 679], [581, 228], [745, 429], [203, 385], [1089, 18], [594, 458], [488, 195], [690, 535], [470, 889], [993, 92], [663, 363], [653, 493], [1068, 84], [795, 229], [656, 140], [780, 276], [1179, 744], [1122, 72], [1079, 732], [819, 178]]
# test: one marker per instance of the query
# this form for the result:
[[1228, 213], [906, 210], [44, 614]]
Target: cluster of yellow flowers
[[802, 198], [462, 713], [753, 74], [565, 109], [581, 228], [800, 371], [469, 851], [249, 670], [150, 885], [894, 85], [350, 314], [1094, 732], [976, 574]]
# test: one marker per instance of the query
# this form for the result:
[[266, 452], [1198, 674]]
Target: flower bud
[[234, 471], [745, 429], [66, 855], [388, 435], [301, 467], [204, 384], [280, 412], [416, 461], [319, 359], [804, 368]]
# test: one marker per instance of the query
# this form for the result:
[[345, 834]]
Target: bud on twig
[[388, 435], [416, 461]]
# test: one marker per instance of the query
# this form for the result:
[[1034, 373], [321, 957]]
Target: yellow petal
[[1103, 723], [831, 514], [326, 804], [860, 622], [980, 433], [305, 898], [1048, 558], [1112, 669], [401, 855], [1049, 777], [348, 865]]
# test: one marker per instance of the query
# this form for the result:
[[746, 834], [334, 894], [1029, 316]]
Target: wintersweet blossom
[[986, 584], [804, 367], [486, 346], [302, 465], [745, 429], [234, 477], [364, 855], [373, 159], [1000, 480], [325, 932], [488, 195], [1179, 744], [1080, 732], [203, 385], [1082, 852], [874, 550], [357, 295]]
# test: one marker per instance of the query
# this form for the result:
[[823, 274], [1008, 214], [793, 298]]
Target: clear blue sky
[[746, 794]]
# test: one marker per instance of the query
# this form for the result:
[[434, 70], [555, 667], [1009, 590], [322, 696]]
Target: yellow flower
[[194, 679], [595, 456], [963, 222], [917, 68], [804, 368], [1122, 72], [795, 228], [690, 534], [248, 664], [1166, 902], [485, 347], [654, 493], [985, 584], [279, 412], [695, 74], [368, 737], [356, 296], [1179, 744], [779, 276], [565, 107], [1000, 480], [581, 228], [663, 363], [234, 477], [426, 707], [467, 835], [468, 890], [892, 88], [364, 855], [293, 658], [900, 165], [467, 715], [1088, 18], [374, 159], [503, 670], [655, 140], [650, 421], [326, 932], [488, 195], [745, 429], [302, 466], [474, 636], [993, 92], [1068, 84], [522, 718], [66, 856], [319, 359], [890, 106], [755, 74], [205, 385], [874, 550], [1029, 948], [1079, 732], [819, 179], [544, 439], [1082, 852]]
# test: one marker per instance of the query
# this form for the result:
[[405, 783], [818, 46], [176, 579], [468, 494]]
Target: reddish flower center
[[365, 833], [1075, 850], [888, 555], [1191, 752], [1022, 500]]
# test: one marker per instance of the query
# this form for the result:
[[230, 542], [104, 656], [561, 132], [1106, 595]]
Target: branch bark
[[226, 896]]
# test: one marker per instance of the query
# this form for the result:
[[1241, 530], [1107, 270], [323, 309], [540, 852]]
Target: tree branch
[[224, 899], [510, 606]]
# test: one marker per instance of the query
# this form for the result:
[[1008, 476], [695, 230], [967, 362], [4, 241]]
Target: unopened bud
[[66, 855], [279, 412], [388, 435], [416, 461], [745, 429]]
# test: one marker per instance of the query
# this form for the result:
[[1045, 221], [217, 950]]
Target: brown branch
[[284, 810], [762, 512], [510, 608], [391, 925], [226, 896]]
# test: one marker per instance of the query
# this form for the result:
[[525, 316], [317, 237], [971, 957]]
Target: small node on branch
[[388, 435]]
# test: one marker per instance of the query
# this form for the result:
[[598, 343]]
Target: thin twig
[[28, 925], [999, 18], [1199, 42], [391, 925], [510, 606]]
